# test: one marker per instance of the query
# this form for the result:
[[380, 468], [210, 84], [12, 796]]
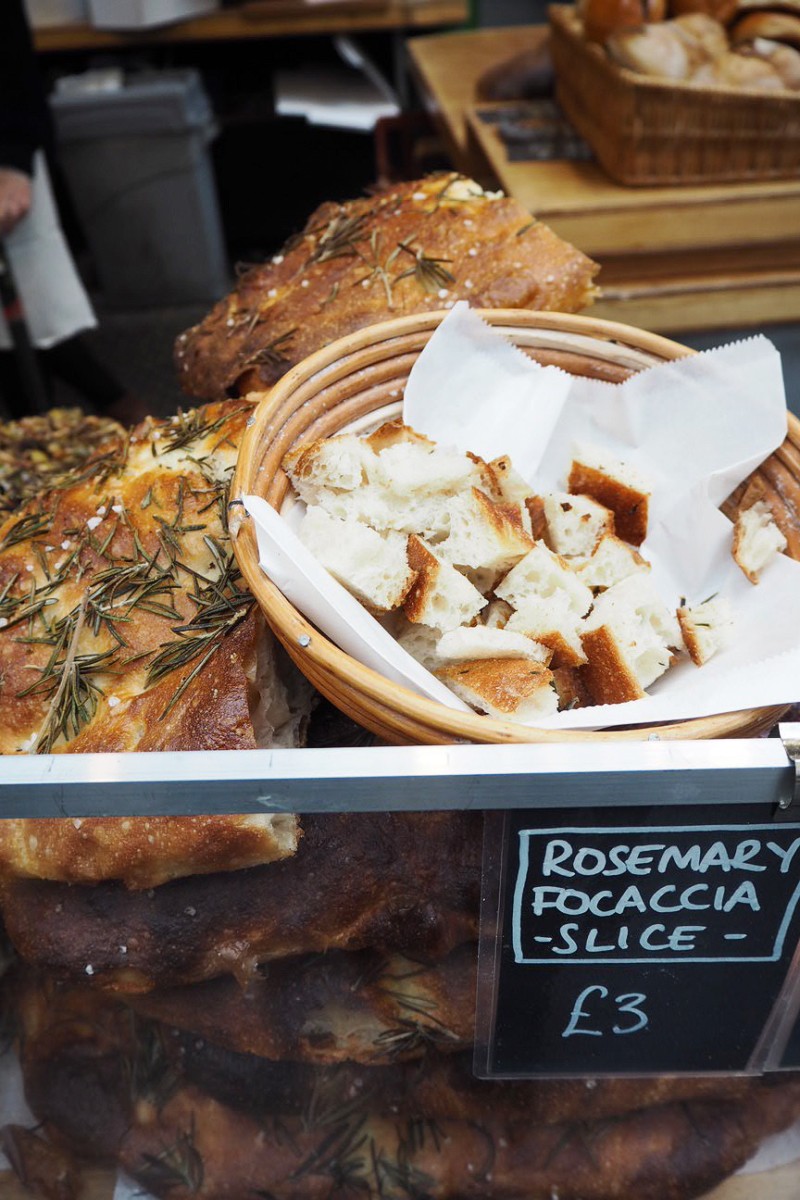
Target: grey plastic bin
[[139, 172]]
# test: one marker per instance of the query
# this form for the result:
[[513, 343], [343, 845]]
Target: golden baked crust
[[395, 882], [417, 247], [142, 852], [117, 588], [606, 674]]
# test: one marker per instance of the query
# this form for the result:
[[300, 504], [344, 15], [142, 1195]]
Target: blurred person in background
[[54, 301]]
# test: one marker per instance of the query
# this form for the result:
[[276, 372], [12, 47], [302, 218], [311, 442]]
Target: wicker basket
[[358, 375], [649, 131]]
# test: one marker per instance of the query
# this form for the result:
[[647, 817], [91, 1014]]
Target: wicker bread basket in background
[[361, 374], [655, 131]]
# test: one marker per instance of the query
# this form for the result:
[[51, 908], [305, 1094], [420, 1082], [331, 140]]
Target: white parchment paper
[[694, 429]]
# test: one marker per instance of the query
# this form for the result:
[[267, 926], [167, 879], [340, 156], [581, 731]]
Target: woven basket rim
[[323, 655]]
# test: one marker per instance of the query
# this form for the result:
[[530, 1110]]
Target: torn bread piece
[[538, 520], [706, 628], [484, 535], [340, 462], [404, 486], [575, 524], [440, 595], [543, 574], [571, 688], [628, 638], [496, 614], [756, 539], [371, 565], [611, 561], [618, 487], [553, 624], [420, 641], [510, 689], [637, 595], [508, 481], [393, 433], [476, 641]]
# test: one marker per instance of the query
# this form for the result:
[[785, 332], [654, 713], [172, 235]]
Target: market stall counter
[[255, 950]]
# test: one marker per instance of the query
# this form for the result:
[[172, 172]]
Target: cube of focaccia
[[636, 595], [440, 595], [611, 561], [496, 614], [544, 574], [510, 689], [618, 487], [575, 524], [373, 566], [476, 641], [628, 639], [392, 433], [535, 507], [341, 462], [756, 539], [483, 534], [508, 481], [554, 624], [420, 641], [571, 688], [706, 628]]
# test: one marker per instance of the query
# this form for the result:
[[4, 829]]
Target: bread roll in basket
[[363, 373]]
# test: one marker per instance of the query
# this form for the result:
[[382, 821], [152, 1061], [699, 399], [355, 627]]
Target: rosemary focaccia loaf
[[115, 1088], [359, 1007], [416, 247], [125, 625], [124, 621], [36, 450], [394, 882]]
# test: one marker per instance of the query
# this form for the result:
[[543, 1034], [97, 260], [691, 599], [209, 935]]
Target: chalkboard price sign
[[613, 947]]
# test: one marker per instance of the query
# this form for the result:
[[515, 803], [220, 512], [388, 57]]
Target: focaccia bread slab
[[125, 625], [417, 247]]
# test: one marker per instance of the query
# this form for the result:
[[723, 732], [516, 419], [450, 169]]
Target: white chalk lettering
[[745, 894], [785, 856], [681, 938], [629, 1003], [556, 852], [578, 1012]]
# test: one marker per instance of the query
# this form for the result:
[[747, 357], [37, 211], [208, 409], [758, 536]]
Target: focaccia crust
[[417, 247]]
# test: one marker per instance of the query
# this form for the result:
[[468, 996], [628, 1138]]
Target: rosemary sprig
[[151, 1076], [378, 269], [179, 1165], [67, 680], [192, 425], [222, 605], [337, 1155], [340, 239], [428, 272], [28, 526], [272, 355]]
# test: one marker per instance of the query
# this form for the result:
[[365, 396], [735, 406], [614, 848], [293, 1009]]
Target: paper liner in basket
[[693, 428]]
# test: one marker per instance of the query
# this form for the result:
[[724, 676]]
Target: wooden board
[[673, 259], [447, 68], [262, 20], [603, 218], [781, 1184]]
